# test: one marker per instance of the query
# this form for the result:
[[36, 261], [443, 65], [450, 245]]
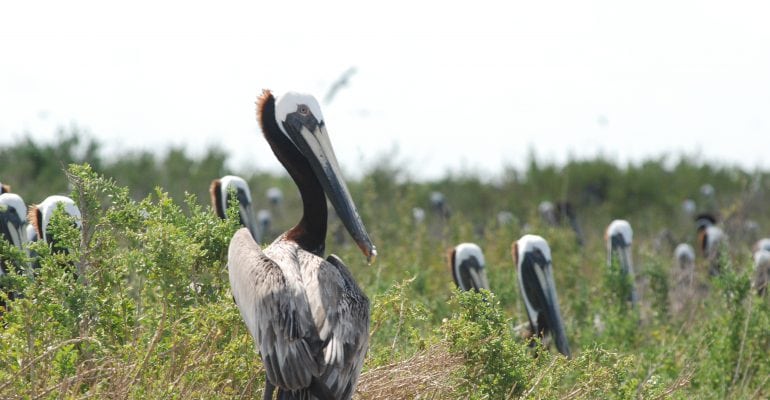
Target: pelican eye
[[303, 109]]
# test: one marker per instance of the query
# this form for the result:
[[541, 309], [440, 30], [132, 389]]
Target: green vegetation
[[149, 315]]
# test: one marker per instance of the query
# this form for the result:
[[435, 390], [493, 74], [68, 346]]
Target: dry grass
[[429, 374]]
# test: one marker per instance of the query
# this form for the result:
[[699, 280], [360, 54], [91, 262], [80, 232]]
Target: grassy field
[[133, 326]]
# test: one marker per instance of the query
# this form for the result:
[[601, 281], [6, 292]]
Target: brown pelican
[[618, 238], [274, 196], [683, 275], [220, 199], [307, 315], [418, 215], [40, 216], [13, 220], [762, 267], [710, 239], [265, 221], [468, 268], [439, 204], [532, 257], [554, 215]]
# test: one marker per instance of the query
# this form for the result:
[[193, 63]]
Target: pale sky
[[453, 85]]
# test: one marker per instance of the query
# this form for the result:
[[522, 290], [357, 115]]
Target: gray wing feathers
[[277, 316], [350, 335]]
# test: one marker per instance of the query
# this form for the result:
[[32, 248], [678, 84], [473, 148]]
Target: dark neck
[[310, 232]]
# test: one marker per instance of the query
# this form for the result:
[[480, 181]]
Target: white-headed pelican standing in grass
[[618, 238], [532, 257], [220, 199], [466, 261], [39, 216], [307, 315], [710, 241]]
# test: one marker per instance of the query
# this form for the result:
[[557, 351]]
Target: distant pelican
[[710, 239], [265, 222], [439, 204], [274, 196], [685, 260], [555, 215], [468, 267], [418, 215], [13, 220], [683, 276], [618, 238], [308, 317], [532, 257], [762, 273], [13, 223], [40, 216], [220, 199], [547, 212]]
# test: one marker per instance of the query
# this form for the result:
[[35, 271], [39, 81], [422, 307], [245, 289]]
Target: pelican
[[4, 188], [618, 238], [418, 215], [762, 266], [13, 220], [710, 239], [547, 212], [554, 215], [274, 196], [40, 215], [683, 274], [685, 258], [468, 268], [220, 199], [532, 257], [439, 204], [307, 315], [264, 220]]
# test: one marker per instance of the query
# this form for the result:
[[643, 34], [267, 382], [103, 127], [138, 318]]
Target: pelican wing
[[275, 309], [349, 341]]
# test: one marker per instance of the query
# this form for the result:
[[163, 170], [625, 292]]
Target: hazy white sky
[[454, 85]]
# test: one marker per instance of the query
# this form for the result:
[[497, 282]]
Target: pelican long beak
[[317, 148], [12, 227], [623, 250], [541, 300], [249, 220], [478, 278]]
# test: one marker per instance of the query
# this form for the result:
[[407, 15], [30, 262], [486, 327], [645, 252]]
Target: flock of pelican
[[307, 315]]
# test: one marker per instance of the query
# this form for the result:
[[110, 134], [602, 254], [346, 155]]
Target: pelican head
[[618, 238], [685, 256], [13, 218], [274, 196], [220, 199], [468, 267], [762, 273], [264, 220], [40, 215], [4, 188], [300, 122], [533, 262]]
